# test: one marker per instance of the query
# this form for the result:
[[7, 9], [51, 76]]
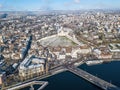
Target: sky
[[39, 5]]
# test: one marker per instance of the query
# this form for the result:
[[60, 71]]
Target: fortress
[[64, 44], [64, 37]]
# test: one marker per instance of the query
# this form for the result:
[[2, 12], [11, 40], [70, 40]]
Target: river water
[[68, 81]]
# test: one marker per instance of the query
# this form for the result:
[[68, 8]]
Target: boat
[[94, 62]]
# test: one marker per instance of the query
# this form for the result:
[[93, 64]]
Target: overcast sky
[[37, 5]]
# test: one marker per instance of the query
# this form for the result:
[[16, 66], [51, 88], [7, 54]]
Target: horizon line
[[59, 10]]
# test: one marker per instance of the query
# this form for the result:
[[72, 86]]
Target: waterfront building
[[105, 56], [31, 66]]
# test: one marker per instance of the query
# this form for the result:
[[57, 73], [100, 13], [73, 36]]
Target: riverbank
[[68, 81], [62, 69]]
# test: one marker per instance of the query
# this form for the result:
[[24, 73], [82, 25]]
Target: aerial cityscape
[[59, 45]]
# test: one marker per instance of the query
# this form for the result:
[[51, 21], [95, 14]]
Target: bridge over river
[[91, 78]]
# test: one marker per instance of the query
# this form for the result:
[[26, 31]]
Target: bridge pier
[[31, 87]]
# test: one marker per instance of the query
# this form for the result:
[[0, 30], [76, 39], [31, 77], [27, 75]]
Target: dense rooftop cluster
[[58, 37]]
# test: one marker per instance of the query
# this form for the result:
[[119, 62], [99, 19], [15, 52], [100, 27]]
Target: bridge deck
[[93, 79]]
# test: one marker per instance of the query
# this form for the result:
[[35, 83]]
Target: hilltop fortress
[[64, 37], [64, 44]]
